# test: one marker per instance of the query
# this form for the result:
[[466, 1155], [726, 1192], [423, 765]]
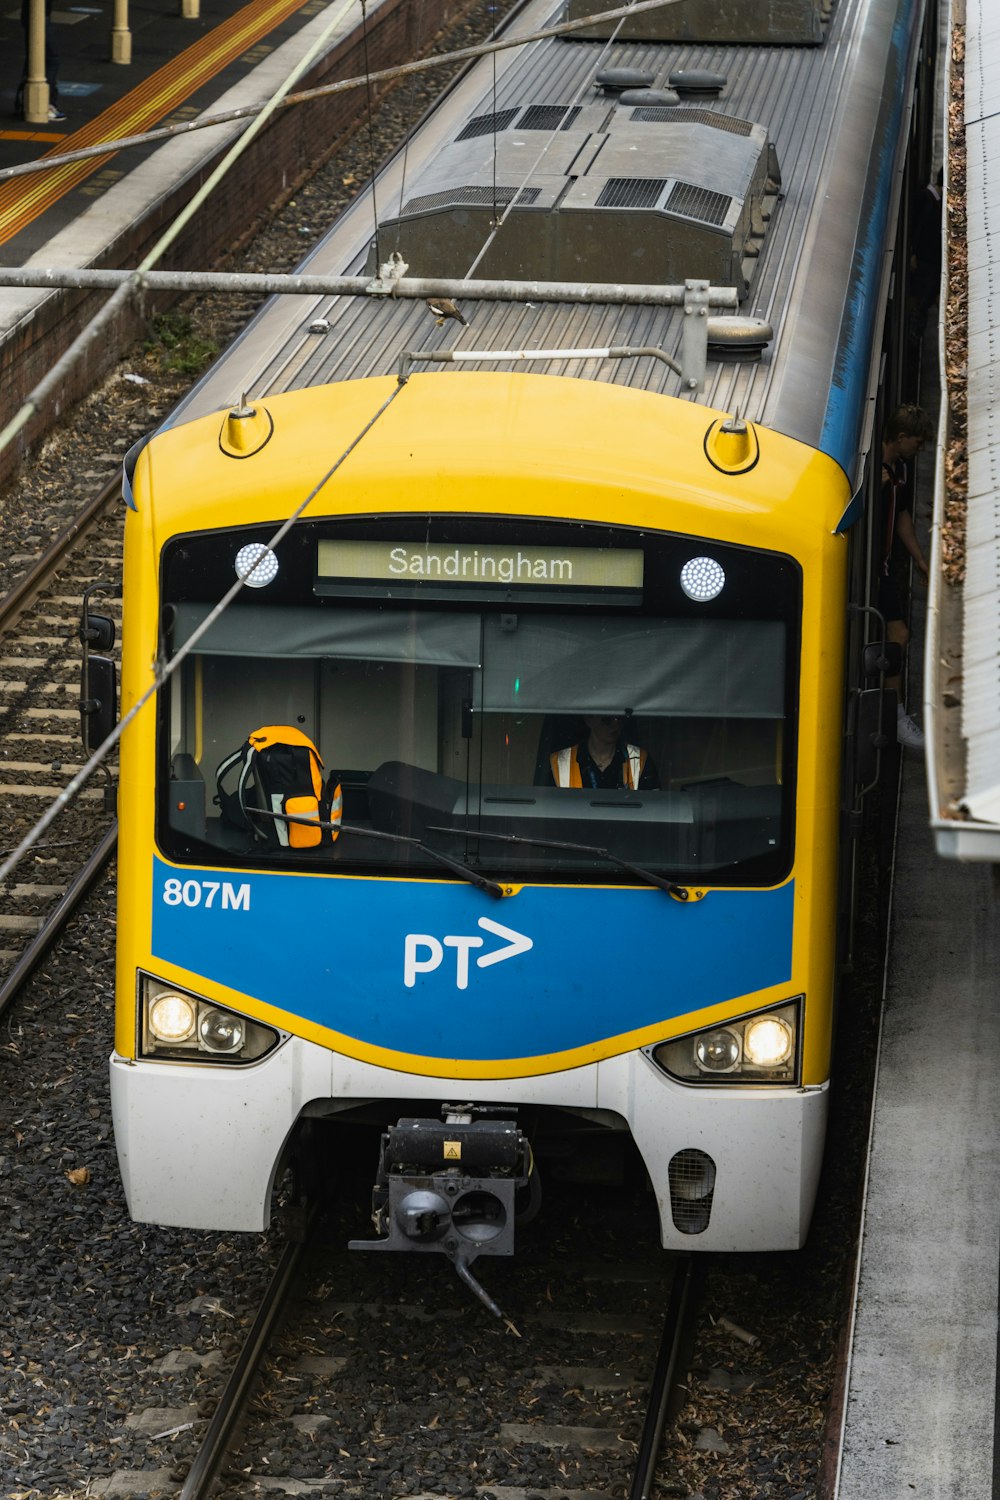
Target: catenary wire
[[498, 222], [49, 382], [384, 75], [165, 670], [371, 131]]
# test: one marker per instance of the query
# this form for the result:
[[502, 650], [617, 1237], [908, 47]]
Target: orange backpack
[[279, 770]]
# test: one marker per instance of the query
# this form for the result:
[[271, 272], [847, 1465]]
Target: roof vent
[[613, 80], [745, 22], [631, 192], [488, 124], [547, 117], [698, 83], [693, 202], [649, 98], [716, 119]]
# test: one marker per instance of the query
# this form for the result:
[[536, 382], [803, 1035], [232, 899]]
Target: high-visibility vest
[[566, 766]]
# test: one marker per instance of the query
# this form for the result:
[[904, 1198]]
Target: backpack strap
[[225, 766]]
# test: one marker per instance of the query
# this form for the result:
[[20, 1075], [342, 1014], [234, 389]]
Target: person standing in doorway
[[906, 431]]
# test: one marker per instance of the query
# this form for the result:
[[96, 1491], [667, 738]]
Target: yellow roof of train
[[511, 443]]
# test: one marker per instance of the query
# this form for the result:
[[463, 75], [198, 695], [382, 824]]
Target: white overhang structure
[[962, 661]]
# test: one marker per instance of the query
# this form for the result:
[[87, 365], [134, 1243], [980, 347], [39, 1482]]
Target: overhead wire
[[371, 128], [408, 116], [165, 669], [494, 61], [37, 397], [530, 171], [324, 91]]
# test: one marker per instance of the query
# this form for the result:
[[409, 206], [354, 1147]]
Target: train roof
[[833, 121], [529, 445]]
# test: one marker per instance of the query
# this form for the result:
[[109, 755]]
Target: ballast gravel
[[115, 1338]]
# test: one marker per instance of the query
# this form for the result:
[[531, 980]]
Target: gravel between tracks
[[103, 1318]]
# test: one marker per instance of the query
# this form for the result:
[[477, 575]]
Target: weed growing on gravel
[[178, 346]]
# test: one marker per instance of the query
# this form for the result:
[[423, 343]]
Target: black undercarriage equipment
[[449, 1186]]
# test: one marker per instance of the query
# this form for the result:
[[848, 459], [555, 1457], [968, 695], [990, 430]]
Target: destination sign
[[421, 563]]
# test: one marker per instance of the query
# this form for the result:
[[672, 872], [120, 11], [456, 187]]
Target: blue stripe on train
[[446, 971], [841, 434]]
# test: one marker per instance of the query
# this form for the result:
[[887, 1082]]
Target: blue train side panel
[[841, 433], [436, 970]]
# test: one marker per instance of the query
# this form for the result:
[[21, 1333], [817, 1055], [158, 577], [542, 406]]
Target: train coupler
[[449, 1188]]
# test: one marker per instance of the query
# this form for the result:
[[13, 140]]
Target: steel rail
[[663, 1382], [58, 917], [13, 603], [203, 1472]]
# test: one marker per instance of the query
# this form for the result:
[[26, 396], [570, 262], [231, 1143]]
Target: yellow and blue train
[[502, 579]]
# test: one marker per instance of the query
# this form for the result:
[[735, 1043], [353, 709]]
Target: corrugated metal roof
[[822, 107], [965, 771]]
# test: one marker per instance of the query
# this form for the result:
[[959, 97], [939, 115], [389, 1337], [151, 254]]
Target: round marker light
[[717, 1051], [172, 1018], [256, 565], [702, 578], [767, 1042], [220, 1032]]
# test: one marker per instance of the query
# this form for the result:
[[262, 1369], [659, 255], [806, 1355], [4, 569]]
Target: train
[[514, 682]]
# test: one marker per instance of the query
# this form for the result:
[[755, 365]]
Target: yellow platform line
[[32, 135], [24, 200]]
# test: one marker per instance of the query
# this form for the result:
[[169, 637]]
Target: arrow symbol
[[516, 943]]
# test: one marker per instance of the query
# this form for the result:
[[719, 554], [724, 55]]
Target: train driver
[[605, 760]]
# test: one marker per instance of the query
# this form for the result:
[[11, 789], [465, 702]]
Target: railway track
[[40, 741], [40, 744], [374, 1379]]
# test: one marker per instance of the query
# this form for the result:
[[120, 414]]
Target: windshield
[[627, 717]]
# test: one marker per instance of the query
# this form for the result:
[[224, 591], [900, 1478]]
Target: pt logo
[[423, 953]]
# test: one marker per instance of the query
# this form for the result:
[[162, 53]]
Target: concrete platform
[[920, 1417], [179, 68]]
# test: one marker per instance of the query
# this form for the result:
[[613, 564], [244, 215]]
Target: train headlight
[[256, 565], [702, 578], [717, 1051], [760, 1048], [221, 1031], [768, 1042], [172, 1018], [174, 1026]]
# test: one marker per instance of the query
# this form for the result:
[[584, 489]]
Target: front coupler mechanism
[[450, 1187]]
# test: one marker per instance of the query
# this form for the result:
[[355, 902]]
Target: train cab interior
[[440, 727]]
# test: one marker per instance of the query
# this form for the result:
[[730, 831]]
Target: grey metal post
[[694, 334]]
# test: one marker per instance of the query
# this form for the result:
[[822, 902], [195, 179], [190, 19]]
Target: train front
[[566, 880]]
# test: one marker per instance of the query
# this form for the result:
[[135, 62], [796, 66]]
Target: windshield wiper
[[680, 892], [481, 882]]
